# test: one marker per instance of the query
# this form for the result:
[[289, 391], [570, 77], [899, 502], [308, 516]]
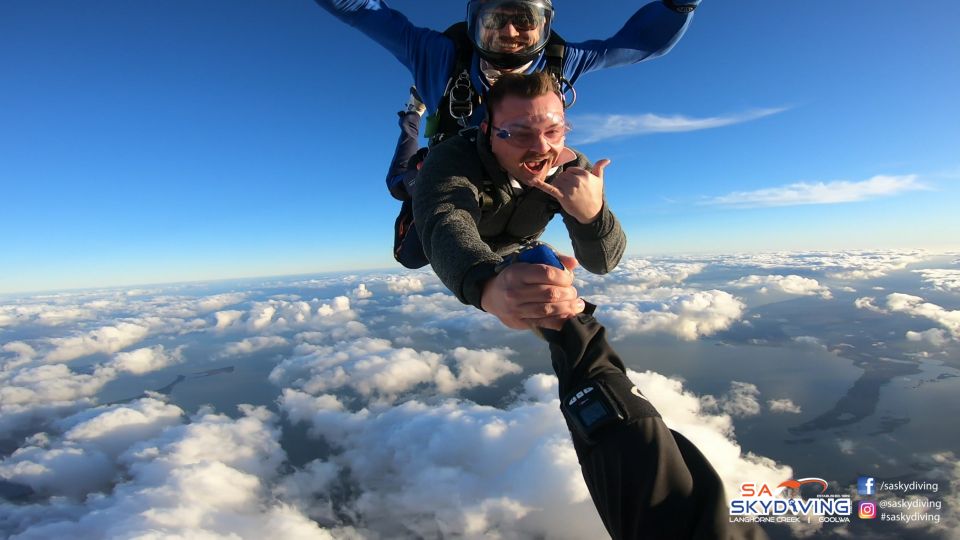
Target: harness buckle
[[461, 99], [565, 86]]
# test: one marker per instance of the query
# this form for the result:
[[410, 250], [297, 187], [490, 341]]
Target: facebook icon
[[865, 485]]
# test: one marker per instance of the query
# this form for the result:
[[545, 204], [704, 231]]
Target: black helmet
[[530, 18]]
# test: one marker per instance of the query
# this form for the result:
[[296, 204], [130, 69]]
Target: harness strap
[[460, 98]]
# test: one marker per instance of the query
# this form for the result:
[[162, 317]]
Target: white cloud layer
[[942, 279], [634, 277], [252, 345], [146, 359], [209, 478], [591, 128], [404, 284], [375, 369], [783, 406], [838, 265], [688, 315], [917, 307], [106, 339], [791, 284], [868, 303], [40, 393], [803, 193], [408, 453], [513, 470], [933, 336]]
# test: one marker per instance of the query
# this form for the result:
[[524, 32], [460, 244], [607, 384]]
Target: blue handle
[[540, 254]]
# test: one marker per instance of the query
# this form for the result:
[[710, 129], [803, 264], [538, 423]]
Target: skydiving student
[[483, 194]]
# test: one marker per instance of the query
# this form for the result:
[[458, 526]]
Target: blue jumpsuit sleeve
[[427, 54], [650, 32]]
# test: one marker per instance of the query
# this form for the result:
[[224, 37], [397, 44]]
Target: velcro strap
[[626, 396]]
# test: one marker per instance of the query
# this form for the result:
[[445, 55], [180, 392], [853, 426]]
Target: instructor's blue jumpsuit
[[431, 56]]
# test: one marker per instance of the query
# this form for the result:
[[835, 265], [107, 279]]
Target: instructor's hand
[[582, 191], [526, 295]]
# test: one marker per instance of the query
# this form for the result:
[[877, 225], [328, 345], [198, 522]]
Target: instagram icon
[[867, 510]]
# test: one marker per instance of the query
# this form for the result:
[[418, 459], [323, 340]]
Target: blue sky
[[145, 142]]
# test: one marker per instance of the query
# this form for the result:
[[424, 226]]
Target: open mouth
[[535, 167]]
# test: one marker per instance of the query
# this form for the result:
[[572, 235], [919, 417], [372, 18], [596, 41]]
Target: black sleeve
[[446, 210], [646, 480], [598, 245]]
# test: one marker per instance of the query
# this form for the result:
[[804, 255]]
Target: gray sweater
[[469, 217]]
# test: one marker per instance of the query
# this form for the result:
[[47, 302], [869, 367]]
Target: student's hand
[[582, 191], [526, 295]]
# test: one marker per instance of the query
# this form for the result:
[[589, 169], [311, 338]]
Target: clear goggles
[[524, 136]]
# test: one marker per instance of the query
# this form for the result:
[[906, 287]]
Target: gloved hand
[[682, 6]]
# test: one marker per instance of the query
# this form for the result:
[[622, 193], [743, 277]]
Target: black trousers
[[646, 480]]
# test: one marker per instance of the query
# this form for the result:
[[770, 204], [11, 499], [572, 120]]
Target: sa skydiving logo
[[759, 490], [788, 501]]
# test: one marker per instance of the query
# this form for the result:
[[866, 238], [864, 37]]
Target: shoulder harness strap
[[554, 55], [459, 98]]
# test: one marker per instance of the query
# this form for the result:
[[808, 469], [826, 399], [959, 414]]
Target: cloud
[[276, 315], [847, 446], [591, 128], [688, 315], [809, 341], [440, 303], [802, 193], [933, 336], [867, 302], [39, 390], [740, 401], [916, 307], [251, 345], [840, 265], [44, 314], [513, 470], [208, 478], [219, 301], [225, 319], [145, 360], [783, 406], [791, 284], [36, 394], [634, 277], [361, 292], [942, 279], [17, 354], [442, 311], [106, 339], [404, 285], [478, 368], [146, 468], [374, 369], [83, 460]]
